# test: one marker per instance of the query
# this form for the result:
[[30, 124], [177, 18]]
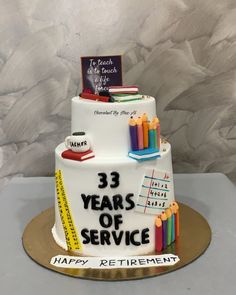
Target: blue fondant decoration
[[145, 154]]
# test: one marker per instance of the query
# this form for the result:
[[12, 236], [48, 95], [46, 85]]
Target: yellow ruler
[[71, 236]]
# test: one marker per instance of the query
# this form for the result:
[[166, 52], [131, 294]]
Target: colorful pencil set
[[167, 227], [144, 134]]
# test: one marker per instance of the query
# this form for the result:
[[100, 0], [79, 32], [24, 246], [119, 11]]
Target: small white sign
[[67, 261], [156, 192]]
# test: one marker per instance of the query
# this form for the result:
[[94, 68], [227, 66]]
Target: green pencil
[[169, 225]]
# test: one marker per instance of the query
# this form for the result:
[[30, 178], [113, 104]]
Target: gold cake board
[[195, 237]]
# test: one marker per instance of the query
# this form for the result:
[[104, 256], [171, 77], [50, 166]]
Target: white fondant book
[[123, 89]]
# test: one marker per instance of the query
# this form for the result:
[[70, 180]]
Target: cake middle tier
[[106, 124]]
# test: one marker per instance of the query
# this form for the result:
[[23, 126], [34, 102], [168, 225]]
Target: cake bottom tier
[[108, 206]]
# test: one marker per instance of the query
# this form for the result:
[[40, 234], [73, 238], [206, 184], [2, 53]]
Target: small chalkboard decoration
[[100, 72]]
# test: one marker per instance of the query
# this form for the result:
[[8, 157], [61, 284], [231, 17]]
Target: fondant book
[[69, 154], [123, 89], [126, 97], [145, 154]]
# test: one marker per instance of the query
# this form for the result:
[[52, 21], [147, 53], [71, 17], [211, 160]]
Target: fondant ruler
[[71, 236]]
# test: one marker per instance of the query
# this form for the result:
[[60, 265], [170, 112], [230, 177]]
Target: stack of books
[[124, 93]]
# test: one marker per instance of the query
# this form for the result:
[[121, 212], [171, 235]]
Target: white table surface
[[212, 195]]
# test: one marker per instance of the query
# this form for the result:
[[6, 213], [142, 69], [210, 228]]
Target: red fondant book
[[86, 95], [69, 154]]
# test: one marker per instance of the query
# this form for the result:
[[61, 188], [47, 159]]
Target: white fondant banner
[[114, 262]]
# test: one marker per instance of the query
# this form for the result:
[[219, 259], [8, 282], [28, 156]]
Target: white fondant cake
[[98, 205]]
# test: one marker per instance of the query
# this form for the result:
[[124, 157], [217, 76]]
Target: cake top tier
[[106, 124]]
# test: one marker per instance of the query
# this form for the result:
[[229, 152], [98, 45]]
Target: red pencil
[[94, 97], [158, 234]]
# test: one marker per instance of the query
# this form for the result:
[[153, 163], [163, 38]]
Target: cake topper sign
[[100, 72]]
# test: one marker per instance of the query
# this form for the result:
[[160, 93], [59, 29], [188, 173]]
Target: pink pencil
[[140, 133]]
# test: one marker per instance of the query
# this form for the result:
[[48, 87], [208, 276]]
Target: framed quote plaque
[[100, 72]]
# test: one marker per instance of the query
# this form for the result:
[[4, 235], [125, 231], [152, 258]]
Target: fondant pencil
[[155, 138], [140, 133], [175, 204], [158, 234], [164, 229], [158, 134], [133, 134], [145, 130], [156, 122], [169, 224], [173, 210], [151, 136]]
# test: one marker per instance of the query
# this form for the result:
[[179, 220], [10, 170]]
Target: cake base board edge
[[194, 239]]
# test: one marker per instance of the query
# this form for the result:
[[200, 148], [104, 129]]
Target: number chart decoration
[[156, 192]]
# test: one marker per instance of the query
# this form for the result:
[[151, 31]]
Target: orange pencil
[[176, 206], [158, 234], [140, 133], [145, 130]]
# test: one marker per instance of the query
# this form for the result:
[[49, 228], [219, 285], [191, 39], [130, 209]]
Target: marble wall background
[[181, 51]]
